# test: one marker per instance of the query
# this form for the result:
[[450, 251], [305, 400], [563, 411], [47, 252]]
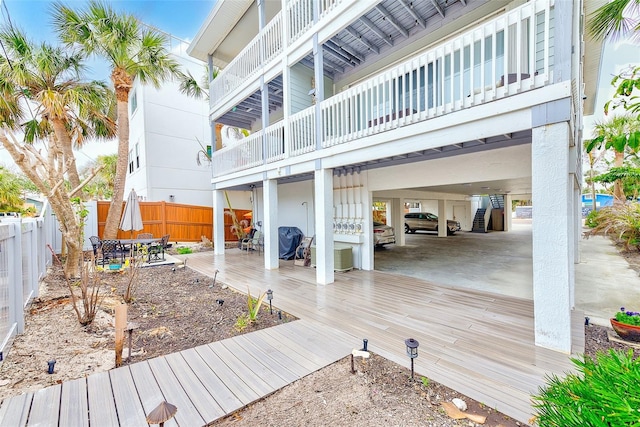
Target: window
[[130, 161], [137, 155], [133, 101]]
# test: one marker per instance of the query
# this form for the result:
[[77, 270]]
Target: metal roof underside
[[380, 29], [467, 147]]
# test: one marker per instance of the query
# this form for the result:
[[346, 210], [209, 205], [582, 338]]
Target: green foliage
[[621, 221], [628, 317], [254, 305], [604, 393], [241, 323], [618, 133], [627, 95], [591, 220], [10, 192], [425, 381], [184, 250]]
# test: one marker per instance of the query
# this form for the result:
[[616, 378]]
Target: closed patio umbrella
[[131, 218]]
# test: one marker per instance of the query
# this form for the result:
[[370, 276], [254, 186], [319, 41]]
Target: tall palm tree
[[616, 19], [620, 134], [43, 85], [133, 52]]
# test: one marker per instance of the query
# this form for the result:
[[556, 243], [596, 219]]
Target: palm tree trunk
[[115, 208]]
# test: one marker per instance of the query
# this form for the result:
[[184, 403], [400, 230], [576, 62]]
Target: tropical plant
[[622, 221], [10, 192], [101, 187], [134, 52], [628, 317], [64, 109], [238, 226], [628, 177], [591, 220], [616, 19], [134, 263], [620, 133], [603, 393], [184, 250], [241, 322], [627, 94], [254, 305]]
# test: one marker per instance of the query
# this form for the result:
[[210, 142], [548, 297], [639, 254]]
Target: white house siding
[[167, 126]]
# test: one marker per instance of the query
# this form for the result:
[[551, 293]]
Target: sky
[[180, 18]]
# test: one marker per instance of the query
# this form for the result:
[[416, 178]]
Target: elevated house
[[351, 102]]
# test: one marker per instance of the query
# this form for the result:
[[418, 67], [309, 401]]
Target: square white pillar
[[552, 192], [218, 222], [271, 245], [508, 214], [324, 226], [367, 226], [442, 218]]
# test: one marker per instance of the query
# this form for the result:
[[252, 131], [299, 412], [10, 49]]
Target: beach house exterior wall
[[401, 101]]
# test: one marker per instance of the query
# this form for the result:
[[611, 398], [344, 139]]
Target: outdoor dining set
[[116, 251]]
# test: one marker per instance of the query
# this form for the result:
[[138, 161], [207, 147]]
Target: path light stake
[[163, 412], [586, 321], [365, 342], [279, 315], [51, 363], [269, 298], [412, 351]]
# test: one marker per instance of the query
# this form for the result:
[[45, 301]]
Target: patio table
[[132, 243]]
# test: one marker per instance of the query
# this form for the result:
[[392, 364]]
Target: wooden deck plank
[[15, 410], [286, 367], [196, 391], [228, 376], [253, 381], [250, 357], [216, 387], [102, 408], [45, 407], [148, 389], [125, 396], [187, 414], [74, 408]]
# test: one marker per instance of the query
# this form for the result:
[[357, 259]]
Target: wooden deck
[[205, 383], [478, 343]]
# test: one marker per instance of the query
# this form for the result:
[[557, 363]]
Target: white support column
[[324, 226], [401, 239], [367, 224], [442, 218], [218, 222], [508, 218], [552, 191], [271, 247], [396, 219]]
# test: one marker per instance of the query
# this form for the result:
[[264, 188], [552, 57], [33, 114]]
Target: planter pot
[[114, 266], [626, 332]]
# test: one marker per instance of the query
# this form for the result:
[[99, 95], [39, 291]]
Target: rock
[[224, 287], [460, 404]]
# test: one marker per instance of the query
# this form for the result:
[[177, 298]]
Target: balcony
[[502, 57]]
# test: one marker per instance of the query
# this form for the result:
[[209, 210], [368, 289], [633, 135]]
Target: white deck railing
[[262, 49], [245, 154], [274, 142], [300, 15], [504, 56]]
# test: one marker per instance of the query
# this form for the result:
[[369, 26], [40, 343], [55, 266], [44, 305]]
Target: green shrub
[[183, 250], [605, 392], [622, 221], [591, 220]]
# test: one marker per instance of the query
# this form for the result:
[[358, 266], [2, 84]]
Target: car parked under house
[[426, 221]]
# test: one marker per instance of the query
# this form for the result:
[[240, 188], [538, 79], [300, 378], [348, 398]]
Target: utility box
[[342, 257], [497, 219]]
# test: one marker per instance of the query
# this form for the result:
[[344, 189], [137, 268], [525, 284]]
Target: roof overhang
[[220, 22]]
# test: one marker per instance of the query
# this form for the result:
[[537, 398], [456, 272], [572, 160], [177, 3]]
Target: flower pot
[[626, 332], [114, 266]]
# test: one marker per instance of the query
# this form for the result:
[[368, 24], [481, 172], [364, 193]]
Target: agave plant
[[254, 305]]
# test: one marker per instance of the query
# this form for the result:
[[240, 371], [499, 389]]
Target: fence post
[[16, 308], [33, 258], [164, 217]]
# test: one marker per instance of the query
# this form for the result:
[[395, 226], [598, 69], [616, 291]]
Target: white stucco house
[[351, 102], [167, 130]]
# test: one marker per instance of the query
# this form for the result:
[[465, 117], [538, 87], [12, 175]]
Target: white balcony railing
[[262, 49], [274, 142], [507, 55], [244, 155], [300, 15]]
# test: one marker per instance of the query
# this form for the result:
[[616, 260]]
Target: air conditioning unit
[[342, 257]]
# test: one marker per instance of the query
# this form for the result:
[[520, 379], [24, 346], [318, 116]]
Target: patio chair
[[252, 243], [156, 250], [302, 255], [96, 242], [112, 250]]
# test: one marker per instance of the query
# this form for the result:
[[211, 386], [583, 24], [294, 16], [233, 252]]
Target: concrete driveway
[[500, 262]]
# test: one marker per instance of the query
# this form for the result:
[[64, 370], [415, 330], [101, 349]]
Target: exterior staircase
[[497, 201], [478, 222]]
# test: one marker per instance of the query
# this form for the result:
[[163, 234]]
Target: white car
[[383, 234]]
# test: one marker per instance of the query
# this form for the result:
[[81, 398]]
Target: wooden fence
[[183, 223]]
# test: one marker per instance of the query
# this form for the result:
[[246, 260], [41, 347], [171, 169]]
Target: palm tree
[[63, 109], [620, 133], [616, 19], [133, 52]]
